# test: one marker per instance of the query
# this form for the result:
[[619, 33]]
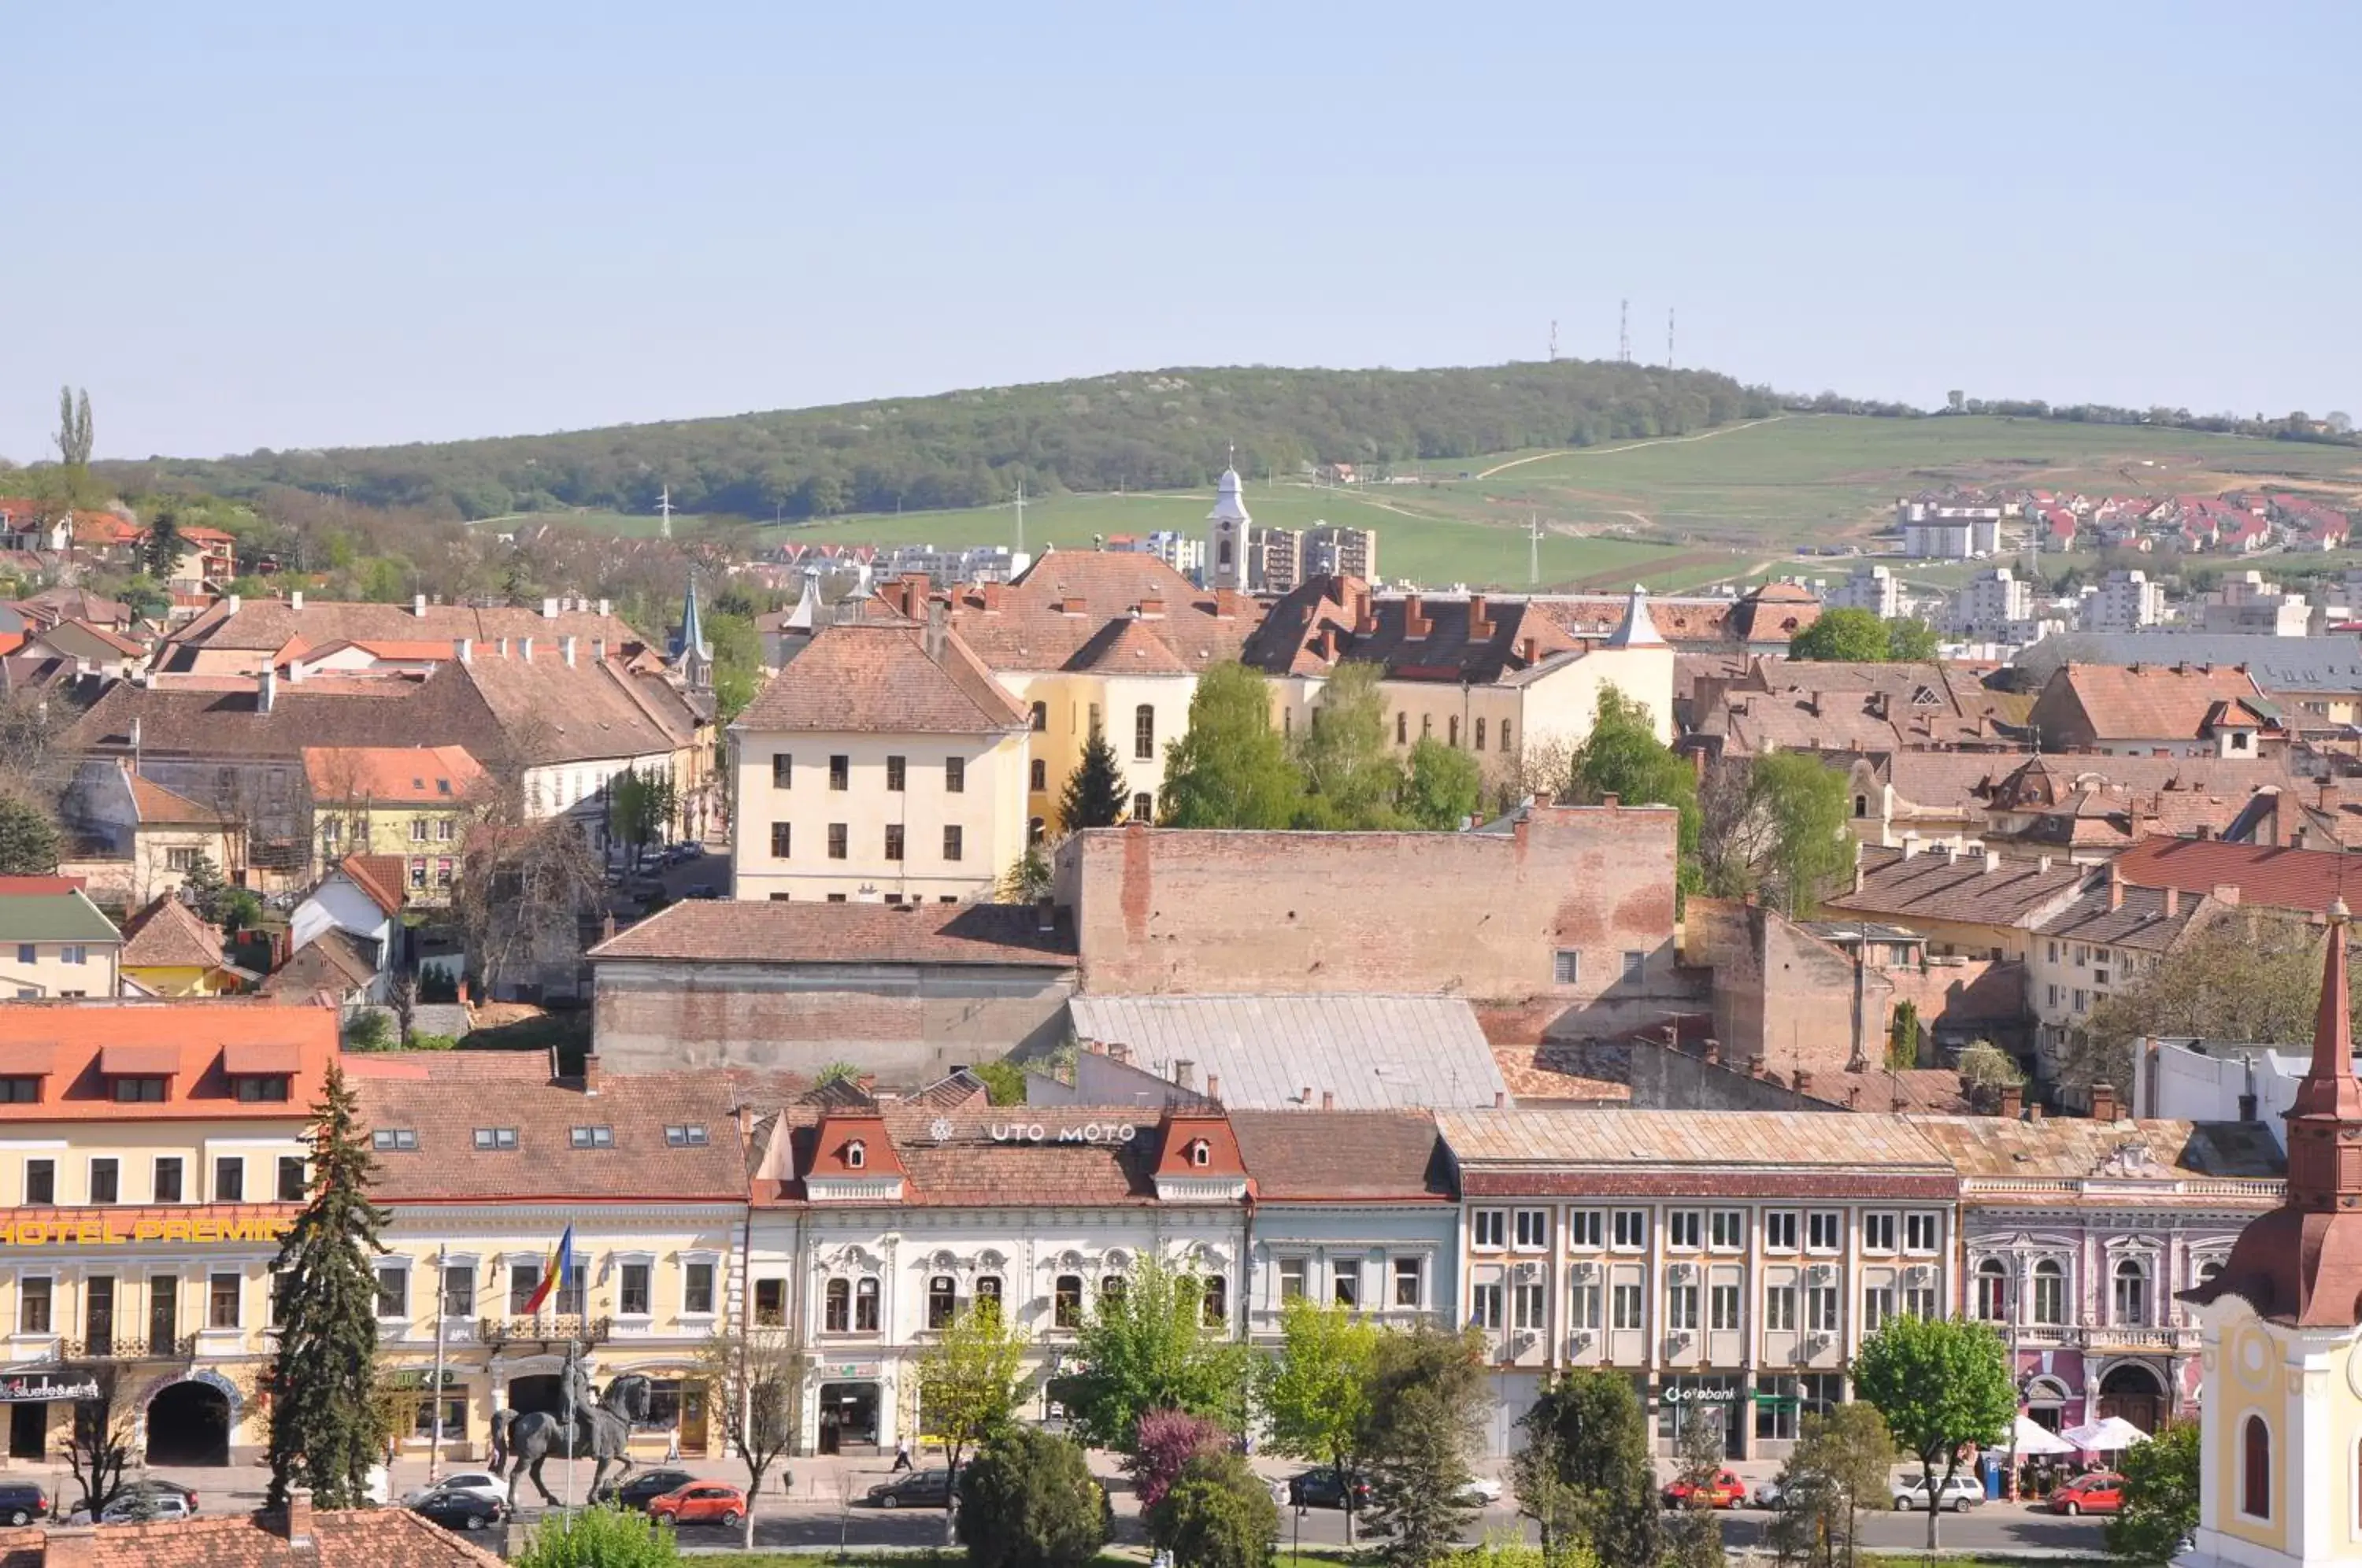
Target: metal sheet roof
[[1374, 1053]]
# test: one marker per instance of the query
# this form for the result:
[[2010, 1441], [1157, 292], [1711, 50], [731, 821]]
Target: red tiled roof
[[355, 1538], [169, 934], [2306, 881], [156, 804], [84, 1041], [879, 679], [2149, 702], [1937, 886], [378, 875], [1065, 600], [726, 930], [1343, 1156], [391, 774]]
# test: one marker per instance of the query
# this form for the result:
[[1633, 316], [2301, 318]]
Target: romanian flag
[[557, 1270]]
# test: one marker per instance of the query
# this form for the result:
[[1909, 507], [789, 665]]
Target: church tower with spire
[[1228, 536], [2280, 1432], [692, 655]]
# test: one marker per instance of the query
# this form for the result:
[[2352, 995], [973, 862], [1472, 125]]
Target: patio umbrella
[[2034, 1439], [2112, 1435]]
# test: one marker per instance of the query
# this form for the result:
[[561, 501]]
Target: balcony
[[183, 1348], [546, 1329], [2121, 1338]]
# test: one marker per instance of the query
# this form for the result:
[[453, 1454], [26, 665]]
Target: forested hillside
[[1149, 430]]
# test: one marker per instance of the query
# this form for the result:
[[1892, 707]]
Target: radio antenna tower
[[1553, 342], [1533, 550], [1624, 333], [1021, 517], [664, 512], [1669, 338]]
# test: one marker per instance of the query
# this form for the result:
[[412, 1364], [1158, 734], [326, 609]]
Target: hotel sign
[[56, 1229]]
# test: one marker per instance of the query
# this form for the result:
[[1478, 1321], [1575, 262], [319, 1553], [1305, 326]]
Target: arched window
[[864, 1307], [1066, 1301], [988, 1291], [1480, 736], [1452, 728], [1040, 717], [836, 1316], [1040, 771], [1861, 805], [1144, 732], [1505, 734], [1112, 1290], [942, 1301], [1216, 1300], [1992, 1291], [1201, 1153], [2130, 1295], [856, 1156], [2256, 1469], [2208, 1269], [2050, 1292]]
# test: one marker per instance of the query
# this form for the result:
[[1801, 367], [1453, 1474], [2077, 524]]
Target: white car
[[478, 1483], [1480, 1489], [1960, 1494], [155, 1507]]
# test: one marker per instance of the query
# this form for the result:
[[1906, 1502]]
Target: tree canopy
[[1231, 769], [1583, 1468], [1859, 636], [1351, 773], [1622, 756], [1096, 794], [2244, 974], [1028, 1501], [1146, 1346], [2161, 1479], [1776, 825], [1943, 1384]]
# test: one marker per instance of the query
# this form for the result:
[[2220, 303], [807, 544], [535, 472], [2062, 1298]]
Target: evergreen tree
[[160, 550], [323, 1435], [1095, 792], [1230, 770], [1426, 1399], [1589, 1429], [28, 839], [1028, 1501], [202, 888]]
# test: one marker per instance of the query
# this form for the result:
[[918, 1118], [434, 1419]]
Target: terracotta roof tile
[[270, 625], [2139, 921], [391, 774], [1066, 600], [169, 934], [2133, 703], [356, 1538], [1937, 886], [728, 931], [1369, 1156], [186, 1039], [863, 679], [159, 805], [2305, 880]]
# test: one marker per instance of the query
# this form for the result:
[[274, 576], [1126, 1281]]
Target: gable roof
[[1068, 599], [860, 678], [342, 1538], [271, 624], [2304, 880], [380, 878], [2141, 701], [169, 934], [67, 1042], [2332, 664], [1972, 888], [1342, 1157], [1330, 621], [391, 774], [324, 971], [726, 931], [2129, 917], [64, 915], [157, 806]]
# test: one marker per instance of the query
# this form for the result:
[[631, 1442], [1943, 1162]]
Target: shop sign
[[113, 1231], [419, 1377], [1066, 1132], [39, 1390], [851, 1369], [1692, 1395]]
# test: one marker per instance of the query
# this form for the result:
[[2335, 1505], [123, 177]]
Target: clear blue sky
[[283, 225]]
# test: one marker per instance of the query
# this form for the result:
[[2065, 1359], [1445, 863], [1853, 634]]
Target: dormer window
[[140, 1090], [262, 1087], [20, 1091], [689, 1137], [856, 1156], [496, 1138], [593, 1138], [1201, 1154]]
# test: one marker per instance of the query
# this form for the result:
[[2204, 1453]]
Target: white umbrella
[[2035, 1439], [2112, 1435]]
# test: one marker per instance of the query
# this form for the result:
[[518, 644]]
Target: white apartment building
[[1870, 588], [2124, 601], [2248, 601], [1990, 605]]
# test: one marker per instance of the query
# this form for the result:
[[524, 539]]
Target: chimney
[[1992, 861], [1500, 1099], [549, 608], [938, 622], [1528, 649], [1214, 1086], [2333, 796], [1480, 626], [566, 647], [2034, 1112], [1714, 1053], [1813, 705], [2012, 1101], [418, 605], [2104, 1102], [465, 648], [2172, 902], [1184, 1072], [1227, 602], [603, 606], [1803, 1081], [1365, 616], [299, 1520], [1046, 914], [294, 672], [267, 692], [2042, 864], [1328, 1099], [1117, 1051], [2116, 887], [598, 650], [1306, 1097], [590, 1073], [1415, 626], [2246, 1108], [1152, 605], [232, 603], [295, 600]]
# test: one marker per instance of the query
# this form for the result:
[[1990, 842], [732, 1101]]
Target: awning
[[28, 1059], [139, 1061], [260, 1058]]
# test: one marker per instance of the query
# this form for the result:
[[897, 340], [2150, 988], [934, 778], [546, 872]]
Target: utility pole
[[1668, 339], [1553, 347], [442, 1310], [1624, 333], [1021, 517], [664, 512]]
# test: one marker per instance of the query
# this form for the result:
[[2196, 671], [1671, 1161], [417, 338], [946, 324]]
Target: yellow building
[[485, 1158], [2280, 1439], [54, 942], [408, 801], [170, 951], [883, 763], [155, 1156]]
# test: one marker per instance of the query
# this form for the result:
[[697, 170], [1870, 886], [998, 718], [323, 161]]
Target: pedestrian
[[672, 1444], [901, 1456]]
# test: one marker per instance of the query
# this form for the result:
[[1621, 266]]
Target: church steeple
[[2325, 1119], [1228, 536], [692, 625]]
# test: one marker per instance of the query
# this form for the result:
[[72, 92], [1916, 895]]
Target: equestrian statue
[[522, 1439]]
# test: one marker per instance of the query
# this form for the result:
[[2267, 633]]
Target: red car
[[701, 1502], [2101, 1492], [1725, 1491]]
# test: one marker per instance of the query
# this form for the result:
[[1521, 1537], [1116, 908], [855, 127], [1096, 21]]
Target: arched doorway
[[542, 1391], [2045, 1403], [188, 1423], [2132, 1391]]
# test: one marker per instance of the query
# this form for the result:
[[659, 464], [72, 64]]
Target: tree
[[1427, 1415], [2160, 1496], [1444, 788], [1097, 794], [1162, 1447], [98, 1440], [1943, 1385], [1026, 881], [1986, 1069], [1695, 1538], [1230, 770], [967, 1380], [74, 435], [602, 1537], [1146, 1346], [1839, 1467], [1622, 756], [1775, 825], [737, 663], [1220, 1515], [1004, 1081], [1844, 636], [1903, 1037], [1315, 1390], [754, 1381], [1589, 1434], [1352, 776], [641, 810], [202, 888], [2244, 974], [321, 1437], [1910, 641], [28, 839], [1028, 1501], [161, 546]]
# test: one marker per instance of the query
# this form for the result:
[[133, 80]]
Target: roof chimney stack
[[465, 648], [2012, 1101], [267, 690], [549, 608], [566, 646], [1328, 1099], [299, 1520], [2104, 1102], [296, 601], [1214, 1087], [418, 605]]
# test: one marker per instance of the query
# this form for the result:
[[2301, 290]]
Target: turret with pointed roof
[[1228, 529], [693, 654], [1638, 629]]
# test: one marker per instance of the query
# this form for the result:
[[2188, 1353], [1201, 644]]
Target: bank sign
[[54, 1230]]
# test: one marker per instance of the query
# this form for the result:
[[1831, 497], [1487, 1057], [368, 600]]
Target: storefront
[[1781, 1401], [1709, 1396], [851, 1396]]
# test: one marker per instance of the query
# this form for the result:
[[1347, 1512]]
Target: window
[[954, 841], [168, 1178], [1625, 1305], [783, 770], [40, 1182], [772, 1303], [496, 1138], [445, 829], [1492, 1228], [1877, 1233], [864, 1305], [1631, 1229], [2256, 1469], [261, 1089], [1410, 1282], [955, 774], [392, 1290], [1528, 1309], [180, 859], [2050, 1293], [1682, 1307], [837, 840], [229, 1179], [331, 831], [1780, 1231], [525, 1278], [221, 1294], [33, 1304], [1040, 776], [1992, 1291], [1113, 1288], [857, 1154], [942, 1301], [1780, 1308], [1722, 1307], [1040, 717], [1144, 807], [893, 773], [2130, 1294], [836, 1307], [1291, 1279], [840, 773], [632, 1290], [1583, 1305], [1728, 1229], [460, 1290], [1066, 1298], [1635, 966], [138, 1091], [1213, 1301], [783, 838], [1683, 1229], [103, 1181], [76, 952], [1566, 966], [1821, 1308], [1425, 727], [893, 841], [987, 1290], [2083, 999], [1877, 1306], [20, 1091], [1402, 728], [1922, 1232], [1824, 1230], [1485, 1307], [1533, 1229], [418, 830], [294, 1178], [1585, 1226], [1143, 733], [1919, 1301], [1345, 1285]]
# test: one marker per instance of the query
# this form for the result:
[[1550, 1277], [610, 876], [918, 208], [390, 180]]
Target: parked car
[[171, 1495], [1480, 1489], [645, 1486], [2101, 1492], [913, 1489], [461, 1510], [1767, 1494], [478, 1483], [22, 1502], [146, 1508], [1322, 1488], [702, 890], [701, 1502], [1960, 1494], [1725, 1491]]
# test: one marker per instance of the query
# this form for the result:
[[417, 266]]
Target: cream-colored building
[[54, 942], [883, 763]]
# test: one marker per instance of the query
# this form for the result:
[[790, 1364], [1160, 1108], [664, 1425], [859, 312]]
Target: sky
[[257, 224]]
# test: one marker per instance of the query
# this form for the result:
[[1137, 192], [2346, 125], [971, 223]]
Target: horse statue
[[522, 1439]]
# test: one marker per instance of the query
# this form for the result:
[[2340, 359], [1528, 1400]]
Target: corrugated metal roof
[[1374, 1053], [54, 917], [1724, 1139], [2278, 664]]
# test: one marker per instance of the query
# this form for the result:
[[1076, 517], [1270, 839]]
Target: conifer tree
[[1094, 795], [324, 1434]]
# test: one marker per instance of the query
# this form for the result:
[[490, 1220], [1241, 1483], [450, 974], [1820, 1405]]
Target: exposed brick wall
[[1479, 915]]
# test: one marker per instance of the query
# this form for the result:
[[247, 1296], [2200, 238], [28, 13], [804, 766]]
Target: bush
[[1218, 1514], [369, 1030], [604, 1537], [434, 1042], [1028, 1500], [1164, 1445]]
